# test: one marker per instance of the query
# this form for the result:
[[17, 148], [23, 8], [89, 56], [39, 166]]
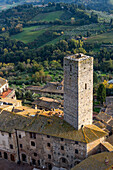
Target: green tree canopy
[[101, 93]]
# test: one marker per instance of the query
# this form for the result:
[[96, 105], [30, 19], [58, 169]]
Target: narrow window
[[19, 136], [62, 139], [20, 145], [76, 142], [76, 151], [33, 161], [24, 158], [12, 158], [5, 155], [49, 156], [32, 135], [62, 147], [10, 135], [38, 162], [85, 86], [11, 146], [70, 68], [48, 144]]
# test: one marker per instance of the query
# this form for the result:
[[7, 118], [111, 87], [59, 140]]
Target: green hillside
[[29, 34], [105, 38], [51, 16]]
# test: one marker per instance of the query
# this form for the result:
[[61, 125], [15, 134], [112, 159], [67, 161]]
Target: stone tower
[[78, 90]]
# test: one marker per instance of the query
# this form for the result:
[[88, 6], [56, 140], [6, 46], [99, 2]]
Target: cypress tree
[[101, 93]]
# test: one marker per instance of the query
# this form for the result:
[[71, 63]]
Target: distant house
[[110, 81], [52, 88], [47, 103], [3, 85], [5, 91]]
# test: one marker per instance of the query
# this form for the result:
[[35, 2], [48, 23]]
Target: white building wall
[[4, 142]]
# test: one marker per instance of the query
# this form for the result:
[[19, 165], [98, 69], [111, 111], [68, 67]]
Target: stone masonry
[[78, 90]]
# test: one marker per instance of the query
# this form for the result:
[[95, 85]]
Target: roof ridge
[[84, 135], [93, 132], [98, 129]]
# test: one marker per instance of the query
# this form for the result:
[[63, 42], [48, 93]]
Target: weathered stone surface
[[78, 90]]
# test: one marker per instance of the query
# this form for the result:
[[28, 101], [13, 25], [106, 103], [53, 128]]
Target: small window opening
[[76, 151], [32, 143], [70, 68], [85, 86], [62, 147], [20, 145]]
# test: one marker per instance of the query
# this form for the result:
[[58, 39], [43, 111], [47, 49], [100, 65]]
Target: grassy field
[[29, 33], [106, 38], [51, 16]]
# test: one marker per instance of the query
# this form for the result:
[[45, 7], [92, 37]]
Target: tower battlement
[[78, 90], [78, 57]]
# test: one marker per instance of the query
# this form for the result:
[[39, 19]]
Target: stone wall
[[45, 151], [94, 147], [78, 91], [8, 146], [50, 151]]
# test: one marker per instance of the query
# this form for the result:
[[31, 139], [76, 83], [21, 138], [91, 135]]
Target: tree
[[101, 93], [95, 78]]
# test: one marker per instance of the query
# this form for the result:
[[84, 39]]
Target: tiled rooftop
[[96, 162], [49, 125], [2, 81], [108, 146], [6, 93], [104, 117]]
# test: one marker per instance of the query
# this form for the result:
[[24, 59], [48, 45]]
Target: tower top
[[77, 57]]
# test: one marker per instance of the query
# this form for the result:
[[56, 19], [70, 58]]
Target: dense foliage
[[101, 93]]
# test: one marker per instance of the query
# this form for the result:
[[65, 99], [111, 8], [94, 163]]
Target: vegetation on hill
[[103, 5], [34, 40]]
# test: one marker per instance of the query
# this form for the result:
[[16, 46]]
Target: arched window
[[63, 162], [33, 161], [24, 158], [12, 158], [5, 155]]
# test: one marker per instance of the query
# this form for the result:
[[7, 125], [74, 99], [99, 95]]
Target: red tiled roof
[[6, 93]]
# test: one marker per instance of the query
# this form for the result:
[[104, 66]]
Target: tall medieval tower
[[78, 90]]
